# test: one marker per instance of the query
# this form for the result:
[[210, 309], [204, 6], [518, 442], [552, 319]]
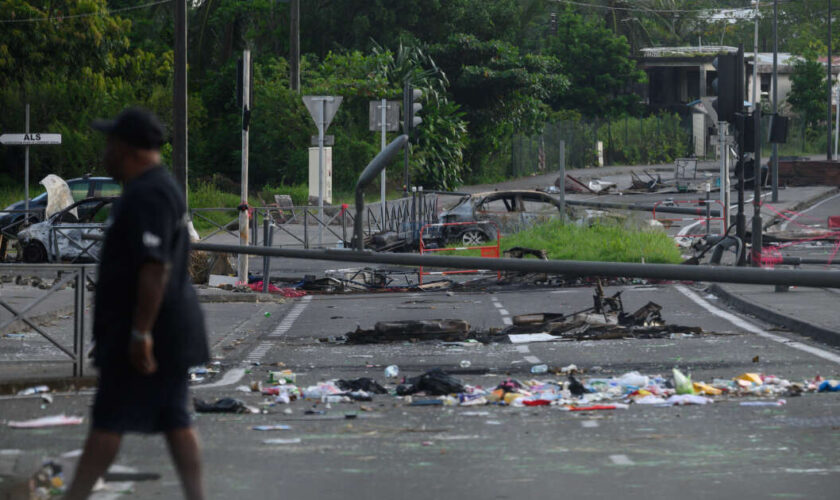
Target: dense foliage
[[489, 71]]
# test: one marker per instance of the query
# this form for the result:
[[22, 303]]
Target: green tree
[[809, 87], [598, 65]]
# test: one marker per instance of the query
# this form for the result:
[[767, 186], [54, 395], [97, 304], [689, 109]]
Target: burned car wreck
[[60, 237]]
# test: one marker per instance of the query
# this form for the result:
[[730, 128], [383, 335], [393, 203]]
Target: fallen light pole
[[368, 175], [675, 272], [700, 211]]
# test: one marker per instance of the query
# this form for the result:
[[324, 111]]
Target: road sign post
[[385, 117], [322, 109], [245, 99], [28, 139]]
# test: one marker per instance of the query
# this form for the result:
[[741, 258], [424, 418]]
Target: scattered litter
[[282, 441], [682, 383], [687, 399], [50, 421], [38, 389], [829, 386], [616, 406], [392, 371], [539, 369], [277, 427], [525, 338], [224, 405], [780, 402], [465, 363], [434, 382]]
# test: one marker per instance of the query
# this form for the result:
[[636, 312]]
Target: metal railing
[[299, 224], [79, 275], [85, 247]]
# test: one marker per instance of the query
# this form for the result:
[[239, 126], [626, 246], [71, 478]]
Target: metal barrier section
[[299, 224], [487, 251], [703, 205], [65, 238], [79, 275]]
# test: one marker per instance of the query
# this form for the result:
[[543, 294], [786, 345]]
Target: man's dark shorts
[[130, 402]]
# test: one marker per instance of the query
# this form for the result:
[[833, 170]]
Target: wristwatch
[[138, 336]]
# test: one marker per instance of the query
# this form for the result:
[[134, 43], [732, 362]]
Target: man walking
[[148, 328]]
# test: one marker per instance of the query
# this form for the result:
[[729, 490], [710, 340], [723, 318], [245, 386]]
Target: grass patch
[[600, 243]]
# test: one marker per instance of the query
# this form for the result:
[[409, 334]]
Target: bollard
[[306, 228], [343, 227], [708, 208], [267, 243]]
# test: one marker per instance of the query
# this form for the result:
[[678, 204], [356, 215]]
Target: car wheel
[[34, 252], [472, 237]]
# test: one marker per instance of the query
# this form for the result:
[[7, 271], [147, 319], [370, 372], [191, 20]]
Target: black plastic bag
[[435, 382]]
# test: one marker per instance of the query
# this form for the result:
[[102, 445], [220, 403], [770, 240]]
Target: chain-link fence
[[624, 141]]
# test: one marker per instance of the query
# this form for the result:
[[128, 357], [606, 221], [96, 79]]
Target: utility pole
[[244, 226], [179, 136], [756, 84], [828, 124], [294, 45], [757, 227], [26, 175], [383, 114], [775, 165]]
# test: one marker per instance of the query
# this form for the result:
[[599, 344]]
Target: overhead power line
[[78, 16]]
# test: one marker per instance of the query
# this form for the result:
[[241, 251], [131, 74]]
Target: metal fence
[[625, 141], [297, 226], [79, 275]]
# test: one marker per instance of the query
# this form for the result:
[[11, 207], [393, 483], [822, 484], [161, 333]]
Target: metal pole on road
[[775, 166], [383, 117], [673, 272], [243, 214], [26, 173], [179, 135], [757, 227], [323, 112]]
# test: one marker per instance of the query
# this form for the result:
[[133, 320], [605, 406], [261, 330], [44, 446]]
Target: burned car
[[60, 237], [477, 217]]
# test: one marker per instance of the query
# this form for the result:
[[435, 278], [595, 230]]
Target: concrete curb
[[810, 330], [238, 298]]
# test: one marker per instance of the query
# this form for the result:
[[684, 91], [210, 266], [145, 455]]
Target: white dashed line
[[532, 359], [507, 321], [498, 306], [504, 312], [523, 349], [589, 423], [290, 318], [745, 325], [621, 460]]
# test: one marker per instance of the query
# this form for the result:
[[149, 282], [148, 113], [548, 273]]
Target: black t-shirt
[[148, 224]]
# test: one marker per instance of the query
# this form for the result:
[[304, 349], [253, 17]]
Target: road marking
[[287, 322], [589, 423], [795, 216], [532, 359], [745, 325], [507, 321], [621, 460], [260, 351], [504, 312], [523, 349], [230, 377], [498, 306]]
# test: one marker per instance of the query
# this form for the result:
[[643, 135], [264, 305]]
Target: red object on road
[[594, 408], [537, 402], [834, 221]]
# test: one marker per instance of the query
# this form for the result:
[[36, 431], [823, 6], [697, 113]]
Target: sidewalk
[[811, 312]]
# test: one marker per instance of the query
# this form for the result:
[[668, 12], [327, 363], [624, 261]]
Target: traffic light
[[727, 102], [411, 108]]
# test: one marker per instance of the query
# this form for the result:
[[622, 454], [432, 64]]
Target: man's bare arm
[[151, 283]]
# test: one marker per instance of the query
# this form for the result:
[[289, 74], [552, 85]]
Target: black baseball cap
[[136, 127]]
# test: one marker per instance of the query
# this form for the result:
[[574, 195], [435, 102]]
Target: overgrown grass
[[605, 242]]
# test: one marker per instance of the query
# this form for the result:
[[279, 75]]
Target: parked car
[[81, 188], [59, 238], [481, 215]]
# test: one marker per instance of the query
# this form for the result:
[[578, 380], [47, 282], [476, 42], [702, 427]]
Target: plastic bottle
[[465, 363], [537, 369], [392, 371]]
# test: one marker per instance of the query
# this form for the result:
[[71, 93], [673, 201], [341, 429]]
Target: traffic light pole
[[741, 218], [756, 222]]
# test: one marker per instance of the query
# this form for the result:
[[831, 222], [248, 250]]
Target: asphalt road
[[394, 451]]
